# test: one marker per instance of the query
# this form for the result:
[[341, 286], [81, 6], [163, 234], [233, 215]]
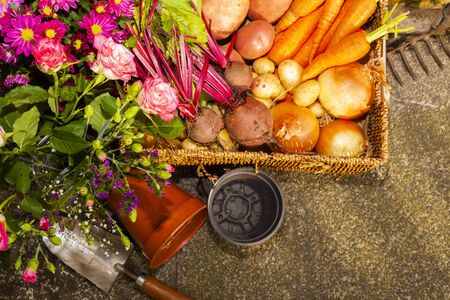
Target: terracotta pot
[[164, 224]]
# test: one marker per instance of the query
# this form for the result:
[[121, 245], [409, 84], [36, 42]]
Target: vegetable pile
[[286, 74]]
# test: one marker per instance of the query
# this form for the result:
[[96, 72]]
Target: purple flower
[[117, 185], [65, 4], [120, 36], [102, 195], [15, 80], [128, 194], [97, 25], [23, 33], [53, 29], [121, 7], [55, 196], [96, 183], [155, 153]]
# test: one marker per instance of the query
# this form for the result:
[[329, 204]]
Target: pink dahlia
[[23, 33], [97, 25], [65, 4], [44, 224], [46, 8], [121, 7], [53, 29], [158, 97], [4, 241]]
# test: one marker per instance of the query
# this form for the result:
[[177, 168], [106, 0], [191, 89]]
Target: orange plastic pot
[[164, 224]]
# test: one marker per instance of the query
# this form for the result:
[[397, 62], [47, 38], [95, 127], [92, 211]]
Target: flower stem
[[56, 79], [6, 201]]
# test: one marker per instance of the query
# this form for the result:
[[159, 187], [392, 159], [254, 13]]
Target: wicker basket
[[377, 131]]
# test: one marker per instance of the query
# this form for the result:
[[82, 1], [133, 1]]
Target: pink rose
[[4, 241], [114, 60], [30, 276], [44, 224], [49, 55], [158, 97]]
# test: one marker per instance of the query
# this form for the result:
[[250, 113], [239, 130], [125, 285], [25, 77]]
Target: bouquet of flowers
[[74, 119]]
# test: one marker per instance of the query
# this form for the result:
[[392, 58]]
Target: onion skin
[[341, 138], [250, 124], [295, 128], [346, 92], [255, 39], [205, 128]]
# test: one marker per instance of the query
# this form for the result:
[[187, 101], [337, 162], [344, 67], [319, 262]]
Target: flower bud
[[133, 90], [101, 155], [117, 117], [26, 227], [132, 216], [125, 242], [51, 267], [131, 112], [127, 140], [145, 162], [89, 111], [18, 263], [96, 144], [83, 191], [137, 148], [163, 174], [55, 240]]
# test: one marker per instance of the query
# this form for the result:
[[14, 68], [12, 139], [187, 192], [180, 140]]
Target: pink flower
[[49, 55], [114, 60], [158, 97], [170, 169], [30, 276], [4, 241], [97, 24], [44, 224], [22, 33], [53, 29]]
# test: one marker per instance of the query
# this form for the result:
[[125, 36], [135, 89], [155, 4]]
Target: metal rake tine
[[419, 57], [408, 66], [394, 71], [444, 44], [436, 58]]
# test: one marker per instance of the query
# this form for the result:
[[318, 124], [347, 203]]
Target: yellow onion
[[341, 138], [295, 128], [346, 92]]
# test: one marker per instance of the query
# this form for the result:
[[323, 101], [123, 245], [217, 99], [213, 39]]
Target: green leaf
[[104, 108], [46, 128], [7, 122], [19, 175], [25, 94], [33, 206], [68, 93], [67, 142], [181, 14], [52, 104], [108, 103], [76, 127], [25, 128], [171, 129]]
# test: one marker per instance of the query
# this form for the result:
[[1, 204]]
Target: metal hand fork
[[439, 32]]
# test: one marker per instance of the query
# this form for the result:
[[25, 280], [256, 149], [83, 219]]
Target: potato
[[225, 17], [306, 93], [239, 76], [226, 142], [255, 39], [290, 73], [263, 65], [268, 10], [267, 102], [266, 86], [188, 144]]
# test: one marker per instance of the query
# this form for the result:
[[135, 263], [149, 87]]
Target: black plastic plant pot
[[245, 208]]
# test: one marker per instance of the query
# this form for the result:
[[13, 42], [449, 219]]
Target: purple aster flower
[[155, 153], [100, 7], [96, 183], [65, 4], [46, 8], [97, 24], [128, 194], [53, 29], [102, 195], [109, 175], [6, 54], [121, 7], [55, 196], [22, 33], [80, 43], [106, 163], [15, 80]]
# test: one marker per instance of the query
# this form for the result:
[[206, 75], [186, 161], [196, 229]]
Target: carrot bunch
[[322, 34]]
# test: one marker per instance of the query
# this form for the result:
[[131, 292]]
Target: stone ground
[[382, 235]]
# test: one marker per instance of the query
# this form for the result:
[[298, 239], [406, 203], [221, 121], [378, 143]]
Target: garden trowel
[[101, 261]]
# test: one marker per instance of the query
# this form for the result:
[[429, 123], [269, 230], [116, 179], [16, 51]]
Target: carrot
[[287, 43], [359, 11], [330, 33], [330, 11], [302, 55], [298, 8], [352, 48]]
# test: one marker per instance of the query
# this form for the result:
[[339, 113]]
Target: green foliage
[[67, 142], [32, 205], [19, 175], [25, 128], [26, 94], [165, 129]]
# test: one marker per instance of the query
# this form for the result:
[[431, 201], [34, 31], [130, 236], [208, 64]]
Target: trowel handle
[[158, 290]]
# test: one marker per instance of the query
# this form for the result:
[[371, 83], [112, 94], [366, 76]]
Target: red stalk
[[201, 82]]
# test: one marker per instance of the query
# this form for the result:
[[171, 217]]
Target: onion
[[346, 92], [317, 109], [295, 128], [341, 138]]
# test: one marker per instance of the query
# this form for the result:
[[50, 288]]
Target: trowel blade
[[95, 262]]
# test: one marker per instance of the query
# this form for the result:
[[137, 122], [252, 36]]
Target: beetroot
[[250, 124], [205, 128], [239, 76]]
